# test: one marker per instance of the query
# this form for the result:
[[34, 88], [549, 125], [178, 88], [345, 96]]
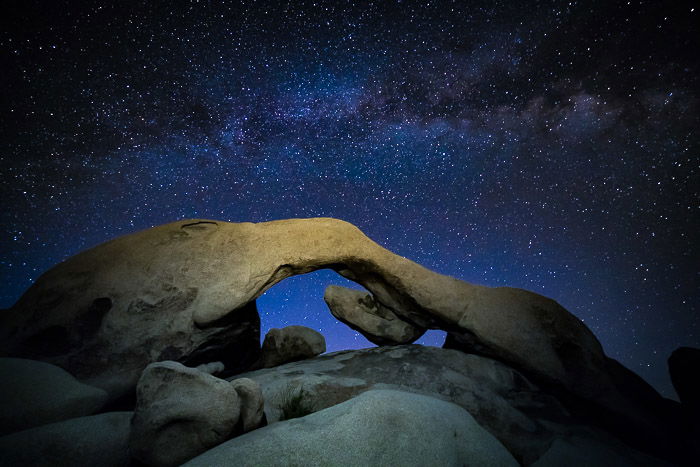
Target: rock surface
[[373, 320], [252, 403], [185, 291], [502, 400], [382, 427], [212, 368], [85, 441], [585, 452], [36, 393], [180, 413], [291, 343], [684, 367]]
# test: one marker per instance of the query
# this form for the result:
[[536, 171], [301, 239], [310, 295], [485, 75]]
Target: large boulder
[[373, 320], [382, 427], [523, 417], [84, 441], [180, 412], [36, 393], [185, 291], [501, 399], [291, 343]]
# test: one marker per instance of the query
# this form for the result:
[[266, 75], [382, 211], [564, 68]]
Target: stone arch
[[178, 286]]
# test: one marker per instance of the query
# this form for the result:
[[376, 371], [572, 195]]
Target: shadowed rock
[[36, 393], [180, 413], [381, 427], [504, 402], [361, 312], [291, 343], [83, 441]]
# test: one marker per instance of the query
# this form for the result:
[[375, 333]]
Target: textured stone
[[376, 322], [35, 393], [291, 343], [252, 403], [381, 428], [84, 441], [180, 412], [503, 401]]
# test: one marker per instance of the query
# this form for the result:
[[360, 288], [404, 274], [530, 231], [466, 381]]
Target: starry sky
[[548, 145]]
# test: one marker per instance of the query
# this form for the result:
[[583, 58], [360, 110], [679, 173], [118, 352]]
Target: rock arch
[[179, 290]]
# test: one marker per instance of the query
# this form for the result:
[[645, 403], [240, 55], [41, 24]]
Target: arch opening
[[298, 300]]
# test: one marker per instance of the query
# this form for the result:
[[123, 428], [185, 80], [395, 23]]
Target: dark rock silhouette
[[684, 367], [95, 440], [289, 344], [36, 393]]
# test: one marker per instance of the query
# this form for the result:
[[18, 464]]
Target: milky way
[[550, 146]]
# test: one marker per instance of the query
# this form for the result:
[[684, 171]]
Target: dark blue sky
[[545, 145]]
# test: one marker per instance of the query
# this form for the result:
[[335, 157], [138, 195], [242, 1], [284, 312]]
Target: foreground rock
[[362, 313], [575, 451], [180, 412], [86, 441], [252, 403], [381, 427], [291, 343], [684, 367], [36, 393], [502, 400], [185, 291]]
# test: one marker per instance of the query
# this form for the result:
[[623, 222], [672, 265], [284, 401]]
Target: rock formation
[[36, 393], [519, 414], [95, 440], [180, 412], [376, 322], [291, 343], [186, 291], [252, 403], [424, 431]]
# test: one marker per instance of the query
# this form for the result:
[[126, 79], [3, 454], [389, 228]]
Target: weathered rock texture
[[376, 322], [291, 343], [517, 412], [181, 290], [36, 393], [180, 413], [84, 441], [252, 403], [382, 427]]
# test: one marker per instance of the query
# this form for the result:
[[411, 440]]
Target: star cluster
[[545, 145]]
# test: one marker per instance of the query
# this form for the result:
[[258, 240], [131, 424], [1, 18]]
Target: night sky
[[546, 145]]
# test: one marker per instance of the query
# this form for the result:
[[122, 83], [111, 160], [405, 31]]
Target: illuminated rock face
[[186, 291], [361, 312]]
